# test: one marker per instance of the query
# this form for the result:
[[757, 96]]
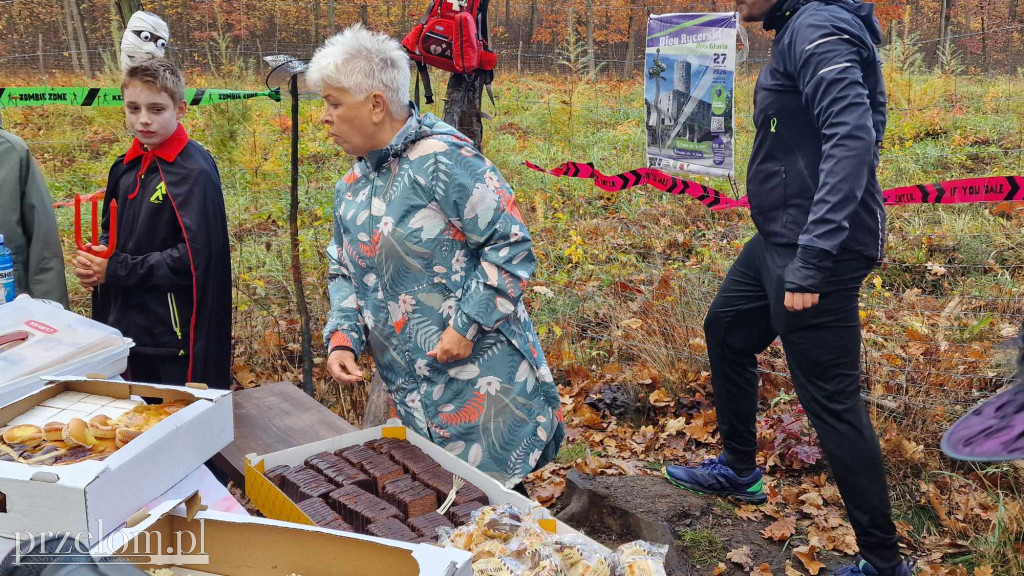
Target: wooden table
[[273, 417]]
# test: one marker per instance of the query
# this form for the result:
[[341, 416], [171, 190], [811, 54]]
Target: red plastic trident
[[96, 227]]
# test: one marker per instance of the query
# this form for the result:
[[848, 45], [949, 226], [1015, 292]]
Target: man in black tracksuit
[[820, 114]]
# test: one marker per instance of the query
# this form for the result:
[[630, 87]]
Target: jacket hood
[[784, 10]]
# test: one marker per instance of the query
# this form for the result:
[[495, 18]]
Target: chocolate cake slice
[[426, 525], [381, 470], [462, 513], [318, 511], [409, 496], [391, 528], [440, 481], [360, 508]]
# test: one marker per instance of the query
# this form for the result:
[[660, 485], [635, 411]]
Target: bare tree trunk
[[316, 23], [125, 9], [83, 43], [405, 16], [70, 33], [508, 12], [180, 36], [628, 65], [1013, 10], [533, 22], [984, 36], [364, 14], [330, 18], [591, 61], [944, 17]]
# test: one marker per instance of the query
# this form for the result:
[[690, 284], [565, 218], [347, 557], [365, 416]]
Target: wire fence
[[937, 314]]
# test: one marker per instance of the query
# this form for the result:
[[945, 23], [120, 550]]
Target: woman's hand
[[452, 347], [343, 367]]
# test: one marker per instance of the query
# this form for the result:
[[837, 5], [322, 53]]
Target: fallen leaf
[[749, 512], [661, 398], [762, 570], [589, 417], [806, 556], [719, 569], [985, 570], [543, 291], [243, 373], [634, 323], [781, 529], [790, 571], [812, 503], [673, 426], [548, 491], [741, 556]]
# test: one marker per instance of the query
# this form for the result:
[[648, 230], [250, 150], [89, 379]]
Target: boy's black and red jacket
[[168, 282]]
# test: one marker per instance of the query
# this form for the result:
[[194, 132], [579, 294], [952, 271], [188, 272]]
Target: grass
[[948, 291], [571, 452], [703, 546]]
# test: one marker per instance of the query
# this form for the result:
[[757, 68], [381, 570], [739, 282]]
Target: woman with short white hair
[[428, 263]]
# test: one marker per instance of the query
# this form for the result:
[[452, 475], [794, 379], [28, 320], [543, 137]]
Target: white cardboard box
[[275, 504], [222, 544], [98, 496]]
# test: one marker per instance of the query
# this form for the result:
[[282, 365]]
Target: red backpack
[[451, 36]]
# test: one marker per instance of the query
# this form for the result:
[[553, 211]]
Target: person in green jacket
[[28, 224]]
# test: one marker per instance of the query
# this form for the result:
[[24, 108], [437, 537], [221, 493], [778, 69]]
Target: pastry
[[54, 432], [101, 426], [77, 433], [27, 434], [123, 436]]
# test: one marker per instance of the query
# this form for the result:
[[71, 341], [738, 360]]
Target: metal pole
[[293, 221]]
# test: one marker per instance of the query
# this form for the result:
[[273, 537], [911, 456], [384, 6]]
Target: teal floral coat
[[427, 235]]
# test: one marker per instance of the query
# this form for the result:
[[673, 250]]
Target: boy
[[28, 224], [168, 283]]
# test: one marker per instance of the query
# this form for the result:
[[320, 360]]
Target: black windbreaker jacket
[[820, 114]]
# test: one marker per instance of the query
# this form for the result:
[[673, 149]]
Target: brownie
[[317, 510], [440, 481], [356, 455], [412, 459], [338, 524], [409, 496], [391, 528], [317, 488], [360, 508], [301, 479], [462, 513], [426, 525], [275, 473], [385, 445], [381, 470], [339, 471]]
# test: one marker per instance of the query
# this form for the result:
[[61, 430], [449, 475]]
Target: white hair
[[363, 62]]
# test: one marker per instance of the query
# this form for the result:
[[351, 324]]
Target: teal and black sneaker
[[861, 567], [714, 477]]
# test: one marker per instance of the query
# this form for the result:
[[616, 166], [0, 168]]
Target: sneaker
[[862, 568], [714, 477]]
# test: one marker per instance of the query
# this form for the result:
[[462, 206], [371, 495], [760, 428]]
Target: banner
[[688, 93], [17, 97], [966, 191]]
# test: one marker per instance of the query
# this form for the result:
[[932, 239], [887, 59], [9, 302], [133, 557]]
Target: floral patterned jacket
[[427, 235]]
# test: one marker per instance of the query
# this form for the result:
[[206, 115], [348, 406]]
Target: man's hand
[[452, 347], [90, 269], [343, 367], [799, 301]]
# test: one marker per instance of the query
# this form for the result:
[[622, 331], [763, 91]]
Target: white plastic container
[[51, 340]]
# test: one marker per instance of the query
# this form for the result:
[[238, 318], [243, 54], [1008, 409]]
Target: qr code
[[718, 124]]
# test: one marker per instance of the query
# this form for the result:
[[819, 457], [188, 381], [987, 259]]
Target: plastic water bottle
[[6, 273]]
